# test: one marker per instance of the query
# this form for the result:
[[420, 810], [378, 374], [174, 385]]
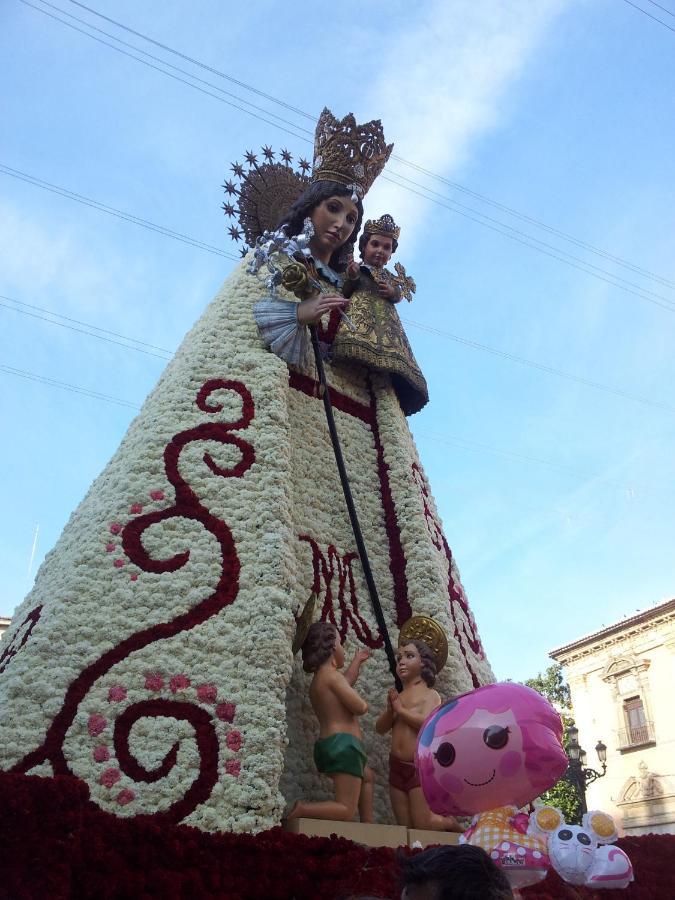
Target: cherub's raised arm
[[348, 696], [352, 671]]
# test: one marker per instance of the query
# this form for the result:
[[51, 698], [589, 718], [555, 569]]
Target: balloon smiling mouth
[[481, 783]]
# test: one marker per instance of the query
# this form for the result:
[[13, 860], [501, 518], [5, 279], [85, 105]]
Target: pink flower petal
[[179, 683], [96, 724], [101, 753], [234, 740], [118, 563], [154, 681], [225, 711], [157, 495], [125, 796], [110, 547], [115, 528], [110, 777], [136, 508], [207, 693], [117, 693], [233, 767]]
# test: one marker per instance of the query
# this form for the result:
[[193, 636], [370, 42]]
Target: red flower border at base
[[57, 844]]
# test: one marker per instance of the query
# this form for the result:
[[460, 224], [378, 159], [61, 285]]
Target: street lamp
[[578, 773]]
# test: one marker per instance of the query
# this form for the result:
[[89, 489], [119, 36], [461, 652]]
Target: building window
[[638, 730]]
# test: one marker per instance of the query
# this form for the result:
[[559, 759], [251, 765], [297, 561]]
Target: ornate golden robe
[[380, 343]]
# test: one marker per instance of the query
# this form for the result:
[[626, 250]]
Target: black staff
[[353, 517]]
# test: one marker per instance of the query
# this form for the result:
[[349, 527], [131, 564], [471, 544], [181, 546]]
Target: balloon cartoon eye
[[445, 755], [565, 834], [496, 737], [584, 839]]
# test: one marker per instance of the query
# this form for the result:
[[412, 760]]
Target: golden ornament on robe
[[295, 278], [379, 342]]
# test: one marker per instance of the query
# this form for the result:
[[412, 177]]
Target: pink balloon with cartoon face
[[499, 745]]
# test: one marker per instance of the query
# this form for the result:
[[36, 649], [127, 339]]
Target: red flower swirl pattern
[[187, 505]]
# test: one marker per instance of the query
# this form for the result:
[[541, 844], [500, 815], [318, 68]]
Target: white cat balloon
[[580, 854]]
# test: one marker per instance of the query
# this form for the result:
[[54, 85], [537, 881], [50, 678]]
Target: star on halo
[[234, 233], [286, 156], [305, 166], [268, 153], [238, 169], [229, 209], [230, 187], [251, 158], [243, 251]]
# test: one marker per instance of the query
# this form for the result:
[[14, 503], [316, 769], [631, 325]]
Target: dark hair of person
[[459, 872], [318, 646], [318, 191], [363, 240], [428, 658]]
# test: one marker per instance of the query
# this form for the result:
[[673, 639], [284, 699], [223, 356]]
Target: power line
[[451, 440], [655, 18], [465, 444], [186, 239], [150, 65], [582, 266], [308, 134], [112, 211], [654, 3], [456, 185], [66, 386], [195, 62], [128, 343], [51, 318], [549, 370], [512, 234], [536, 244]]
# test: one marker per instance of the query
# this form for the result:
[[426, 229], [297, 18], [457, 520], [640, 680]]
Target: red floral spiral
[[207, 745], [187, 505]]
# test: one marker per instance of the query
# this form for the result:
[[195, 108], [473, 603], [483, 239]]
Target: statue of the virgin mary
[[153, 657]]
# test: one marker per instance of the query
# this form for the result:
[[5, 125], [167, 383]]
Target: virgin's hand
[[362, 655], [310, 311]]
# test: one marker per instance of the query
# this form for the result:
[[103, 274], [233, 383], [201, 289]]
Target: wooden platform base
[[371, 835]]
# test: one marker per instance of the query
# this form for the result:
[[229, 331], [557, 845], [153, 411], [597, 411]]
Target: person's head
[[336, 219], [416, 659], [461, 872], [321, 643], [377, 249]]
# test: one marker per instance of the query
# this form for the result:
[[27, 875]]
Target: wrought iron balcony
[[636, 736]]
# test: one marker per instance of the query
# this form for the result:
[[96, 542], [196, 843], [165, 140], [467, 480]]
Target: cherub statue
[[339, 751], [404, 715]]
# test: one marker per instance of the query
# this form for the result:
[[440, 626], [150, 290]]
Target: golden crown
[[351, 154], [385, 225]]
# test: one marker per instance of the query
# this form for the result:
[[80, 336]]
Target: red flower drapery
[[58, 845]]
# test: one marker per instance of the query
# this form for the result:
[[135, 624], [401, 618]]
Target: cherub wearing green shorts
[[339, 752]]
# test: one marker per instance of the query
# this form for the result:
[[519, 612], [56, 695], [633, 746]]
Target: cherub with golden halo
[[417, 665]]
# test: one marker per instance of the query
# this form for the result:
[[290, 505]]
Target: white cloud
[[442, 83]]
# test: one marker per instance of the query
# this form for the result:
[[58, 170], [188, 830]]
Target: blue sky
[[556, 496]]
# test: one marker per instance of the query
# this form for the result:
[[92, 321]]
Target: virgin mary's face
[[334, 219]]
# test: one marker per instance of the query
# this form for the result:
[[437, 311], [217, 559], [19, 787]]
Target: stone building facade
[[622, 681]]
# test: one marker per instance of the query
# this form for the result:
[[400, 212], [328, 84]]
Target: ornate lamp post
[[578, 773]]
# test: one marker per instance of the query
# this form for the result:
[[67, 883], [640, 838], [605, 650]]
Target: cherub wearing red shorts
[[404, 715]]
